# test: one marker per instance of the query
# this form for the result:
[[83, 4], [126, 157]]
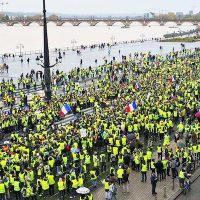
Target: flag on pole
[[64, 110], [131, 107]]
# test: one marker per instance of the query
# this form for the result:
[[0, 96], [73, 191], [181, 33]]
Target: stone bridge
[[93, 22]]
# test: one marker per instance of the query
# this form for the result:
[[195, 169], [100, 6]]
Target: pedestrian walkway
[[141, 191]]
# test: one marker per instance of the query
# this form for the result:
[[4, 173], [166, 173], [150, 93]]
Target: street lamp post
[[20, 47], [46, 64], [47, 73], [2, 5]]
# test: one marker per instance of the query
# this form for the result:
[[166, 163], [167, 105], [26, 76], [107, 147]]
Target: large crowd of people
[[42, 158]]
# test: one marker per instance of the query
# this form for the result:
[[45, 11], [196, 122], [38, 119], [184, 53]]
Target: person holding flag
[[131, 107], [66, 109]]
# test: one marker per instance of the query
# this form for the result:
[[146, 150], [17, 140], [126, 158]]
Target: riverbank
[[88, 57], [77, 48], [185, 39]]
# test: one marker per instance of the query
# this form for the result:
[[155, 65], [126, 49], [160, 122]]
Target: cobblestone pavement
[[142, 191]]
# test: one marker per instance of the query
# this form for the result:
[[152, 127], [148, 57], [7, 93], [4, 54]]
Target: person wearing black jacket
[[159, 169], [125, 181], [154, 180]]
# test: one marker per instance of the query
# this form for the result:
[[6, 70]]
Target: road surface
[[194, 194]]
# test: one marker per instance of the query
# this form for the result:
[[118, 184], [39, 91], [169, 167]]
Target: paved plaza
[[142, 191]]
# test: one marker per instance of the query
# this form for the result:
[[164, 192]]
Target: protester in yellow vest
[[51, 181], [61, 187], [2, 190], [45, 187], [144, 171], [120, 172]]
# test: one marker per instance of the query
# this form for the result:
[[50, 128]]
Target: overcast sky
[[103, 6]]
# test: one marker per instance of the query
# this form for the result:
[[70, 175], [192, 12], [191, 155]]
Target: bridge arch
[[99, 23], [14, 23], [32, 23], [170, 23], [136, 23], [51, 23], [187, 24], [117, 23], [153, 23], [82, 23], [18, 24], [65, 24]]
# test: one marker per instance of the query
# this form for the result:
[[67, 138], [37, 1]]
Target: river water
[[62, 36], [68, 36]]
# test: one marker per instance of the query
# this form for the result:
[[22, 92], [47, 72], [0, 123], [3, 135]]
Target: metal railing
[[93, 18], [64, 49]]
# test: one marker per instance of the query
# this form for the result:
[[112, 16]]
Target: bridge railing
[[100, 19], [72, 19]]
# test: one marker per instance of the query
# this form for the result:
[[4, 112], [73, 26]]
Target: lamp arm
[[53, 65], [49, 66], [41, 65]]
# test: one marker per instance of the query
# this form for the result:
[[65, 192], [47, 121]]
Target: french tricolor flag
[[137, 86], [64, 110], [131, 107]]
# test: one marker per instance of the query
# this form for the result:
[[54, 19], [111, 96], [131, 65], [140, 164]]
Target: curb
[[192, 180]]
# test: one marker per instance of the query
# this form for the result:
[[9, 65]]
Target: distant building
[[149, 15], [146, 15], [191, 12], [179, 14]]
